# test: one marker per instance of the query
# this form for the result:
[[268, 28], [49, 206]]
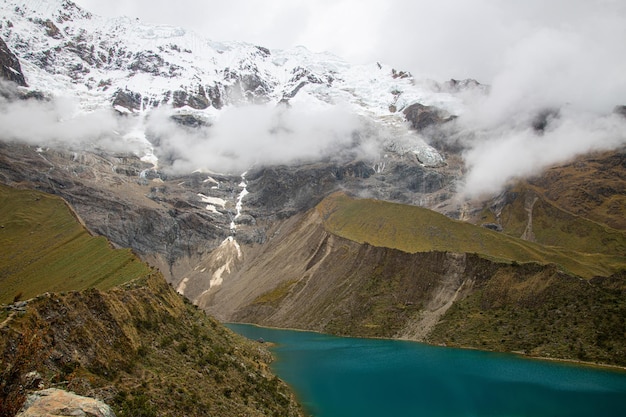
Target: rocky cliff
[[10, 68]]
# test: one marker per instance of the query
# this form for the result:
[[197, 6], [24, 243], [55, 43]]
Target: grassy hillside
[[143, 350], [527, 213], [45, 248], [592, 186], [414, 229]]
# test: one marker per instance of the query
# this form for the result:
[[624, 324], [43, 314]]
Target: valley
[[154, 184]]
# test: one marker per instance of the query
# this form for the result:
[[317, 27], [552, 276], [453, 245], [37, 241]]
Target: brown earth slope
[[308, 277]]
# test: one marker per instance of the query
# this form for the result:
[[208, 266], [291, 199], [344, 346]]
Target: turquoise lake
[[345, 377]]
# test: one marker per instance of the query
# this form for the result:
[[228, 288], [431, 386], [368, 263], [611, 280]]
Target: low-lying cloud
[[237, 139], [502, 154], [256, 134], [55, 122]]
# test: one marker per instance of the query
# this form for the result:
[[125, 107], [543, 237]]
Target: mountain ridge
[[218, 228], [307, 277]]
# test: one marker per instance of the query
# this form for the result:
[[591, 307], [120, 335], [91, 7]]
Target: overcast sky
[[441, 39]]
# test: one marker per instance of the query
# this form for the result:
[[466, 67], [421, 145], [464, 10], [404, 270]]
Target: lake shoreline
[[335, 376], [576, 362]]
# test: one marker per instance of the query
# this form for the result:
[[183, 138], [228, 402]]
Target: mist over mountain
[[281, 186], [229, 93]]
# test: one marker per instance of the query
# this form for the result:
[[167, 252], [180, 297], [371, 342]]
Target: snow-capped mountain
[[198, 113], [134, 67]]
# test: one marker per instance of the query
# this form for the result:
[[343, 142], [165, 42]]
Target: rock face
[[10, 68], [422, 117], [163, 215], [455, 86], [543, 118], [621, 110], [54, 402]]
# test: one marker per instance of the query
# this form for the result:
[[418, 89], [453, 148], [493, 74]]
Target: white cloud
[[504, 153], [566, 54], [256, 134], [57, 121]]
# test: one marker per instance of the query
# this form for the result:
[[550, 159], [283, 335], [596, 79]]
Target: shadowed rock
[[10, 68], [421, 117]]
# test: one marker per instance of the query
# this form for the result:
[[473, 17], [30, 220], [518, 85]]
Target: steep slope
[[524, 211], [317, 273], [414, 229], [10, 68], [579, 205], [142, 350], [46, 249], [592, 186], [138, 345]]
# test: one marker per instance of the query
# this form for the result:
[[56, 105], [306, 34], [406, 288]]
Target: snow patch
[[212, 181], [239, 205], [215, 201], [212, 209]]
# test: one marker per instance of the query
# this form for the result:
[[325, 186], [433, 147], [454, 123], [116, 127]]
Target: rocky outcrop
[[10, 68], [542, 120], [127, 100], [198, 101], [422, 117], [468, 84], [301, 77], [54, 402]]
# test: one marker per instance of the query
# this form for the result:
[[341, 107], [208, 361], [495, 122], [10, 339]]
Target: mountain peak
[[67, 50]]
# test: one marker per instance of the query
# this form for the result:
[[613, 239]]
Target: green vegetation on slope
[[142, 349], [414, 229], [592, 186], [528, 212], [45, 248], [541, 313]]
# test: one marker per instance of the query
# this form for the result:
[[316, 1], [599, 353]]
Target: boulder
[[54, 402]]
